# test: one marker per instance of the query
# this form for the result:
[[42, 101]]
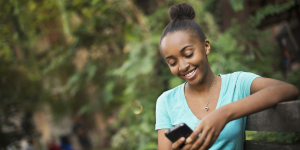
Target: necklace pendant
[[206, 108]]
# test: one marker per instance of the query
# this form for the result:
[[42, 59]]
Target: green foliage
[[279, 137], [293, 78], [16, 99], [236, 4], [270, 10]]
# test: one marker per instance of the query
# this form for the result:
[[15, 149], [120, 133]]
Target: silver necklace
[[206, 106]]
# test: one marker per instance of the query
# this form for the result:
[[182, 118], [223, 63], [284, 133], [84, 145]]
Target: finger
[[178, 143], [194, 135], [199, 141], [213, 140], [207, 142], [187, 146]]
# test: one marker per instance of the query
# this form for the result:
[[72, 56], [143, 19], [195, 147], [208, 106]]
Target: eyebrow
[[180, 50]]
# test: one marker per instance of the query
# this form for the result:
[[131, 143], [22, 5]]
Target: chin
[[198, 80]]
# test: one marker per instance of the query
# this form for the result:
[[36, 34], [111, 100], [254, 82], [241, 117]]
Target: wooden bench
[[284, 117]]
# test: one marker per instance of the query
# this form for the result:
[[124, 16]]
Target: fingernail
[[182, 139]]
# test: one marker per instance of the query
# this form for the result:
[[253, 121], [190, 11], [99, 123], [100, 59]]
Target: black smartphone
[[178, 131]]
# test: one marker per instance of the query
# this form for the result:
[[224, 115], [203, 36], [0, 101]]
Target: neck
[[206, 84]]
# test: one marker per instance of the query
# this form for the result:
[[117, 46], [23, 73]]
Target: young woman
[[214, 106]]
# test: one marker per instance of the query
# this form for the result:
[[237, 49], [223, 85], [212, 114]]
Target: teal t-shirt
[[172, 109]]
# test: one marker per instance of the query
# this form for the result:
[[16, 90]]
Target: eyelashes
[[173, 64], [188, 56]]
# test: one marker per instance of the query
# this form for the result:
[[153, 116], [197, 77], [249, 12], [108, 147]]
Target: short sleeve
[[163, 120], [244, 81]]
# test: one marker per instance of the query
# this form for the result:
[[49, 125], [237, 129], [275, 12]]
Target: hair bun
[[181, 11]]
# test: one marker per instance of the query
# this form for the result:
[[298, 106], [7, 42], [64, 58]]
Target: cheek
[[174, 70], [200, 60]]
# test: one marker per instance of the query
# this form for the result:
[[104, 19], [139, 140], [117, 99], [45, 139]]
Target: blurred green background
[[95, 65]]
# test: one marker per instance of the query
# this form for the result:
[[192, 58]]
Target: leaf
[[237, 5], [84, 109]]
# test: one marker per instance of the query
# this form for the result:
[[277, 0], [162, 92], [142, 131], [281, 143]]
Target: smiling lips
[[191, 74]]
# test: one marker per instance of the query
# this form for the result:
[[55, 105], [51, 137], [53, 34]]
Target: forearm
[[163, 142], [261, 100]]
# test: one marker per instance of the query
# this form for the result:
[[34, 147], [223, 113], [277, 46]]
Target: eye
[[190, 55], [173, 63]]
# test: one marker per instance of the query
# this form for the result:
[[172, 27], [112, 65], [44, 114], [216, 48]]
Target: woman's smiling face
[[186, 56]]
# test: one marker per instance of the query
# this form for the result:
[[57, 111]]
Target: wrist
[[225, 111]]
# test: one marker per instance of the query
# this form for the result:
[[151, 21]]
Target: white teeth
[[189, 74]]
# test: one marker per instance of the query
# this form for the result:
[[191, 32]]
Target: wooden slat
[[256, 145], [284, 117]]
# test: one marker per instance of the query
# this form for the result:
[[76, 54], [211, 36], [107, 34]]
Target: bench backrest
[[284, 117]]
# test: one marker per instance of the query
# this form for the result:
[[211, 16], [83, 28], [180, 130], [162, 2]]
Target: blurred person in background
[[286, 55], [65, 143], [29, 144], [53, 145], [81, 132]]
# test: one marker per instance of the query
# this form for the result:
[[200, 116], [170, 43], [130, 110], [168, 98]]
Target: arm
[[265, 92], [163, 123], [163, 142]]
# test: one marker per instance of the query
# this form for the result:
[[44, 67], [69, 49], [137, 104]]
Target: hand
[[209, 127], [176, 145]]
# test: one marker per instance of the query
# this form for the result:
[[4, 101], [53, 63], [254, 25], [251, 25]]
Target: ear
[[207, 46]]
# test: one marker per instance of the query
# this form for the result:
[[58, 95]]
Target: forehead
[[174, 42]]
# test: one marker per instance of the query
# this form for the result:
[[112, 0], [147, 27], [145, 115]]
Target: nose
[[183, 66]]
